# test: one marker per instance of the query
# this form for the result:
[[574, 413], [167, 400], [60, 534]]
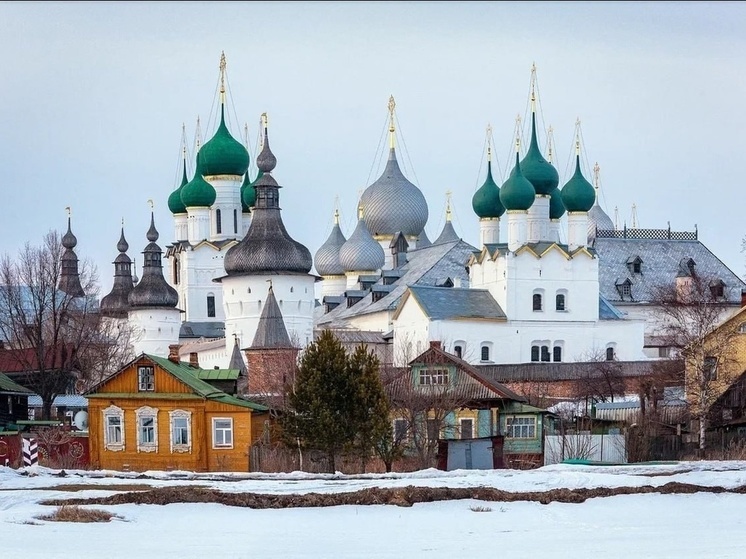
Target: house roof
[[218, 374], [471, 386], [67, 400], [26, 360], [518, 372], [202, 330], [449, 303], [191, 377], [607, 311], [661, 260], [7, 386]]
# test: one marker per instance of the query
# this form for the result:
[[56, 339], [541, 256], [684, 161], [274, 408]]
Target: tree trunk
[[330, 462], [702, 430], [46, 409], [389, 465]]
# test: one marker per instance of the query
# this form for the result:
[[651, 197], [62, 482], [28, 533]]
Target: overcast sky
[[93, 97]]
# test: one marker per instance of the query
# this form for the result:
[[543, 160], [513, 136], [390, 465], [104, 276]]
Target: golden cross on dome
[[448, 205], [489, 142], [222, 77], [596, 175], [392, 128], [550, 141]]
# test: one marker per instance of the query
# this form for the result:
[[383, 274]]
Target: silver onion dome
[[326, 259], [361, 252], [392, 203], [598, 220]]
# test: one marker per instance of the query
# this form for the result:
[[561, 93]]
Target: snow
[[647, 525]]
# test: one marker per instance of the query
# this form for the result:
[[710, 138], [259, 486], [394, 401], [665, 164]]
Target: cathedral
[[551, 279]]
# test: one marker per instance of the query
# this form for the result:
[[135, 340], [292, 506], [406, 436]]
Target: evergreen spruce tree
[[372, 409], [322, 402]]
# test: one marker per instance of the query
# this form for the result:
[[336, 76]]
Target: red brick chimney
[[194, 359], [173, 353], [436, 344]]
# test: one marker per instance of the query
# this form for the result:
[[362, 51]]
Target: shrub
[[74, 513]]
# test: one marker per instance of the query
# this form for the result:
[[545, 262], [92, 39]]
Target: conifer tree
[[372, 407], [322, 401]]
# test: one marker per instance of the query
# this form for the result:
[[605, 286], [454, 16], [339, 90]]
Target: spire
[[116, 303], [550, 144], [486, 200], [222, 77], [392, 127], [271, 331], [69, 281], [237, 361], [533, 87], [489, 144], [152, 290], [448, 205]]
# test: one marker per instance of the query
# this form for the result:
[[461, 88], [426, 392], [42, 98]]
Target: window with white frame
[[113, 428], [222, 432], [145, 379], [557, 353], [520, 427], [467, 428], [400, 429], [433, 376], [181, 430], [611, 352], [537, 301], [486, 351], [147, 429], [458, 348]]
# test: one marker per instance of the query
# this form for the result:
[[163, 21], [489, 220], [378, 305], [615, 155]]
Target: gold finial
[[150, 202], [577, 136], [448, 205], [183, 140], [489, 142], [392, 128], [517, 144], [550, 142], [336, 216], [360, 211], [596, 175], [222, 77], [198, 134], [533, 87], [68, 210]]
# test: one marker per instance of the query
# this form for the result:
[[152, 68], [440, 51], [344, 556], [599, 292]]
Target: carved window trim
[[180, 447], [113, 412], [143, 413]]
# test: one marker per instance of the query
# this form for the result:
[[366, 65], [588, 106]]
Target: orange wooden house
[[163, 414]]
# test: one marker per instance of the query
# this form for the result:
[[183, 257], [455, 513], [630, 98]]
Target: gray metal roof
[[661, 259], [423, 241], [271, 331], [67, 400], [202, 330], [565, 371], [425, 267], [607, 311], [392, 203], [237, 361], [447, 235], [116, 303], [361, 252], [448, 303], [152, 289]]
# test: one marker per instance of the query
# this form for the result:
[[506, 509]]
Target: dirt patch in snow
[[403, 497]]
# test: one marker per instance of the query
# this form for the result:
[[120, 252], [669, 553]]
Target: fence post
[[30, 452]]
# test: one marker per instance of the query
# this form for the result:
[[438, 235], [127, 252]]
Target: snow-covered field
[[701, 525]]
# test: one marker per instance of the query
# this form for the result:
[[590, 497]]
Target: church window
[[534, 353], [717, 289], [176, 271], [560, 300], [210, 305], [485, 353], [634, 264], [458, 349], [218, 222], [537, 302], [610, 353], [545, 353], [235, 221], [557, 353]]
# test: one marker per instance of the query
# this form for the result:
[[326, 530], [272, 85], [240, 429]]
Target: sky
[[94, 95], [641, 526]]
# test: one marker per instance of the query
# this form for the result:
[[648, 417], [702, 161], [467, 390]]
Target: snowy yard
[[703, 524]]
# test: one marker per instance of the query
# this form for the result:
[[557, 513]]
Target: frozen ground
[[701, 525]]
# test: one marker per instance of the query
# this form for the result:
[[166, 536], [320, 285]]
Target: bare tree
[[52, 331], [691, 312], [602, 382]]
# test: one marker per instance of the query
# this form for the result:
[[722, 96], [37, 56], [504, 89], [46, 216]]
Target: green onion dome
[[517, 193], [175, 203], [223, 154], [198, 193], [486, 200], [536, 169], [556, 207], [578, 194], [248, 192]]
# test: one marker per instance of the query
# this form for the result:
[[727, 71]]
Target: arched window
[[560, 301], [458, 351], [557, 353], [537, 302], [534, 353], [610, 353], [545, 353], [211, 305], [485, 351], [235, 221], [218, 224], [176, 271]]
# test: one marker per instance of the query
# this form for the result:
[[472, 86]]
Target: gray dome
[[361, 252], [392, 203], [327, 257], [598, 220], [152, 290], [267, 247]]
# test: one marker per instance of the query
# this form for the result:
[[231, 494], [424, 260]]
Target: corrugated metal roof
[[202, 330], [661, 261], [565, 371], [67, 400], [447, 303], [218, 374], [9, 386]]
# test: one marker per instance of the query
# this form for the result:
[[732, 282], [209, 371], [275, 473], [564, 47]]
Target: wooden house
[[164, 414], [474, 406], [13, 403]]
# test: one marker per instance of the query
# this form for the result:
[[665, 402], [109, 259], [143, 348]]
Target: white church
[[520, 295]]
